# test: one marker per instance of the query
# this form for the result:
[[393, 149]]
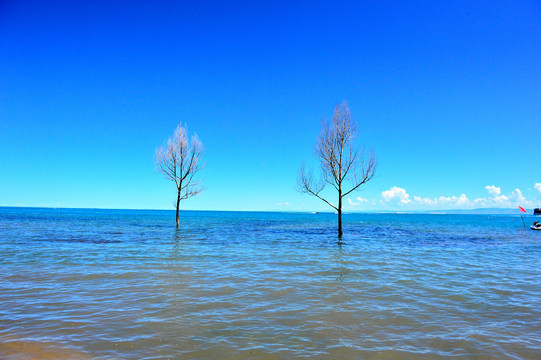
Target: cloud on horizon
[[493, 190], [396, 194], [399, 196], [359, 201]]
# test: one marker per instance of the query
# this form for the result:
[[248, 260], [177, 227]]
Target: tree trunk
[[178, 206], [340, 232]]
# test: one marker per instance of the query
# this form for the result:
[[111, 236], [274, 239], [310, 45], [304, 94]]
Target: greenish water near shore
[[113, 284]]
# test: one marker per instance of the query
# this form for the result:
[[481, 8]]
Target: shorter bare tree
[[342, 163], [179, 160]]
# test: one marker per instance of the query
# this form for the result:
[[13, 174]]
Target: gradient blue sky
[[447, 93]]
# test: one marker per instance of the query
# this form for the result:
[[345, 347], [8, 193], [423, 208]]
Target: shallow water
[[111, 284]]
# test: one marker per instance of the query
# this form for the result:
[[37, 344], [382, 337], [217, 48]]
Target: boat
[[533, 227], [537, 211]]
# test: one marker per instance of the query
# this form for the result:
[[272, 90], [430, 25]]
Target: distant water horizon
[[126, 284], [477, 211]]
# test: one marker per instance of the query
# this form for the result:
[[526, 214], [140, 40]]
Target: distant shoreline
[[480, 211]]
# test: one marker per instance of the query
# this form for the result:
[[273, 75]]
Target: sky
[[446, 93]]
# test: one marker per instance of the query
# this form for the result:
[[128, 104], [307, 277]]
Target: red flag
[[521, 209]]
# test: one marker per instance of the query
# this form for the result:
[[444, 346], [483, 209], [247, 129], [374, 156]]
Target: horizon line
[[397, 211]]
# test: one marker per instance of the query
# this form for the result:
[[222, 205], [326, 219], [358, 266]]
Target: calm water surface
[[106, 284]]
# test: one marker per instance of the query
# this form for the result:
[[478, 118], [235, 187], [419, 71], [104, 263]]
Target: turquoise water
[[112, 284]]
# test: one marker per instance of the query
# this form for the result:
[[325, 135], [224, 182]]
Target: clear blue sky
[[447, 93]]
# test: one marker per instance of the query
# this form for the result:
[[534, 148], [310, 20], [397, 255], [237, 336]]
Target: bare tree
[[344, 167], [179, 161]]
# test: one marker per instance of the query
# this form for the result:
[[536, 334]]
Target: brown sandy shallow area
[[34, 350]]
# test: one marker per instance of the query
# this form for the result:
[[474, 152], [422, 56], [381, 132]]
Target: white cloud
[[353, 203], [462, 200], [358, 202], [455, 201], [538, 187], [396, 194], [449, 201], [424, 201], [516, 196], [495, 198], [493, 190]]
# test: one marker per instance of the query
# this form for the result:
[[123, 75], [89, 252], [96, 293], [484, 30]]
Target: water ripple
[[86, 284]]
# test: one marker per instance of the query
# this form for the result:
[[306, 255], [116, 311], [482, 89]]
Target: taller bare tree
[[179, 160], [344, 167]]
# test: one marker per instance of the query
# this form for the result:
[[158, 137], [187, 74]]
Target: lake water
[[112, 284]]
